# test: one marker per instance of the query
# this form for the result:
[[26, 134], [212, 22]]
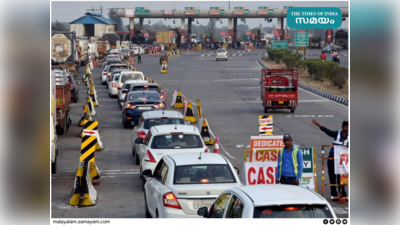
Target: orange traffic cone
[[216, 146]]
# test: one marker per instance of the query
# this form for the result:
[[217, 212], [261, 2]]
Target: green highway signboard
[[279, 44], [301, 39], [308, 161], [142, 11], [241, 10], [217, 11], [192, 10], [265, 10]]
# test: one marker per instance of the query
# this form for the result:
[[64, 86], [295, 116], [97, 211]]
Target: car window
[[139, 125], [148, 88], [127, 86], [148, 137], [116, 76], [217, 210], [173, 141], [235, 208], [156, 122], [293, 211], [131, 76], [203, 174], [157, 170], [143, 96], [164, 174], [221, 50]]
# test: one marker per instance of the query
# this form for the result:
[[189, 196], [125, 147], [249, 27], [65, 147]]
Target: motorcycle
[[336, 59]]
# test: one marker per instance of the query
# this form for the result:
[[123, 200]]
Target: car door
[[134, 132], [217, 210], [153, 182], [159, 185], [143, 147], [235, 208]]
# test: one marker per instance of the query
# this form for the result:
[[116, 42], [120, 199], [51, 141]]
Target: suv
[[125, 88], [153, 118], [138, 102], [149, 87], [166, 140], [109, 69]]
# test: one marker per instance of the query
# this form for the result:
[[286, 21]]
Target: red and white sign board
[[146, 35], [341, 159], [171, 35], [276, 32], [167, 12], [89, 132], [260, 173], [265, 121], [248, 33], [301, 31], [204, 35], [267, 142], [253, 34], [222, 33], [265, 129]]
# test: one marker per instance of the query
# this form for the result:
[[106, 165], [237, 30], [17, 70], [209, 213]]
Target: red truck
[[328, 37], [279, 89], [63, 100]]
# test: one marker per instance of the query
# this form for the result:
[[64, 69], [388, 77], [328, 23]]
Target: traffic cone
[[177, 101], [88, 118], [188, 112], [92, 111], [216, 145], [204, 131], [94, 96], [85, 109]]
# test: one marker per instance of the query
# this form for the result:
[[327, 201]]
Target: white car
[[182, 183], [221, 53], [124, 89], [109, 69], [113, 85], [269, 201], [129, 75], [138, 49], [153, 118], [166, 140]]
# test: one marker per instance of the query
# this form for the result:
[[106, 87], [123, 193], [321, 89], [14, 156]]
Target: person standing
[[290, 163], [323, 56], [139, 59], [340, 137]]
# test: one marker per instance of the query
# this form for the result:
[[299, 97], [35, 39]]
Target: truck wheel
[[127, 124], [54, 167], [292, 110], [265, 109], [62, 127]]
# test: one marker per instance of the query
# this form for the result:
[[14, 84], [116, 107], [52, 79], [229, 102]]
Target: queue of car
[[181, 177]]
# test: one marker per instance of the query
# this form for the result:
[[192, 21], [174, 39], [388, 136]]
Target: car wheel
[[137, 159], [148, 215], [133, 150], [265, 109], [109, 95], [226, 59], [216, 59], [292, 110], [127, 124], [157, 216]]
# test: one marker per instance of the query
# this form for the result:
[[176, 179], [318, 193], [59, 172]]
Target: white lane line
[[202, 55], [240, 54], [209, 55], [234, 55]]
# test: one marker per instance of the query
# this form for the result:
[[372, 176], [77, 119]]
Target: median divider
[[177, 100], [85, 111]]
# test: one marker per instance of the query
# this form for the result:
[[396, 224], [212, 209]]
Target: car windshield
[[173, 141], [221, 50], [131, 76], [155, 122], [143, 96], [144, 88], [293, 211], [203, 174]]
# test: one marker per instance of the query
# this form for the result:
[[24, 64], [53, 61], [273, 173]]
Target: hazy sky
[[67, 11]]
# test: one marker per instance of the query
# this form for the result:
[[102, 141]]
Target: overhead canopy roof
[[93, 18]]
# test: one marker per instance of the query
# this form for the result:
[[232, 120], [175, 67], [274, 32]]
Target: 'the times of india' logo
[[314, 17]]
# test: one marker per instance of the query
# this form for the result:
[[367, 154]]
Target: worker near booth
[[290, 163], [340, 138]]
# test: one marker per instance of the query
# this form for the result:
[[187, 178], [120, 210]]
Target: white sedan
[[269, 201], [149, 119], [113, 85], [221, 53], [182, 183]]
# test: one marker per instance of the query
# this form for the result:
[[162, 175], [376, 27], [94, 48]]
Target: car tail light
[[170, 200], [204, 180], [129, 105], [108, 74], [217, 54], [292, 208], [142, 134], [149, 157], [119, 86], [157, 106], [226, 54], [114, 84]]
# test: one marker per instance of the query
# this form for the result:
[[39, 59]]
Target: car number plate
[[280, 102], [144, 108], [199, 204]]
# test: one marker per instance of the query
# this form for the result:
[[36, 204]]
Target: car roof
[[148, 84], [166, 129], [164, 113], [181, 159], [134, 72], [277, 194], [135, 81]]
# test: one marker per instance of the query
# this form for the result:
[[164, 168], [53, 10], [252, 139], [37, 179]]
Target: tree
[[58, 26], [112, 15]]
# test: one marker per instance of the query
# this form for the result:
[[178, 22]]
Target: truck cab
[[279, 89]]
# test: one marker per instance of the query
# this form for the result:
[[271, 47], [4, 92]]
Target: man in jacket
[[340, 137], [290, 163]]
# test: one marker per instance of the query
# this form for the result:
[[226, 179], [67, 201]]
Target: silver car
[[221, 54]]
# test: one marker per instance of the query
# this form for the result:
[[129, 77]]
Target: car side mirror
[[187, 122], [203, 211], [138, 141], [206, 139], [236, 170], [123, 91], [147, 174]]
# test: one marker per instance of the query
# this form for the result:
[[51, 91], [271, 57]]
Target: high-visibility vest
[[338, 141], [294, 158]]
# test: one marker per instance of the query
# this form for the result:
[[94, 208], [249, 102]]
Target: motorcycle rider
[[335, 56]]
